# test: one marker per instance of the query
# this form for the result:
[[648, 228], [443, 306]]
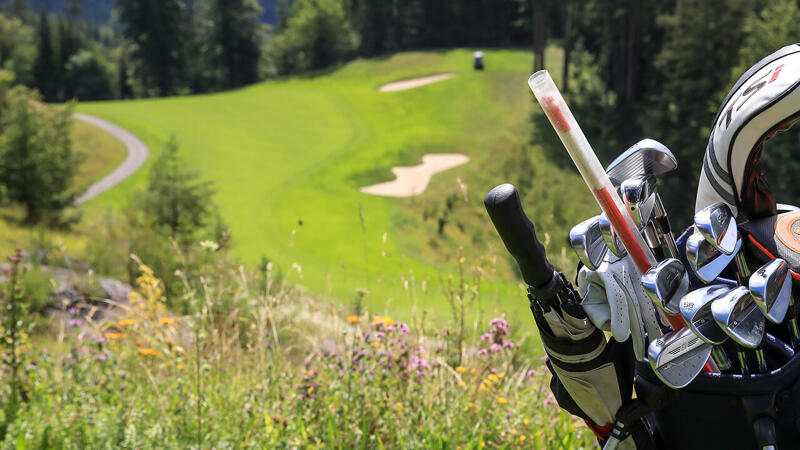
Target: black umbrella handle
[[547, 286], [518, 234]]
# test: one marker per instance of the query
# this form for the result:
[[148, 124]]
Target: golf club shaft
[[762, 362], [794, 332], [720, 358], [662, 221], [742, 355]]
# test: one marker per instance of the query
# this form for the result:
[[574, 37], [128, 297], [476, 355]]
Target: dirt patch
[[414, 180], [412, 83]]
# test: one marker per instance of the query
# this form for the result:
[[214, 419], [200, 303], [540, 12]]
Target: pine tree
[[45, 68], [237, 35], [37, 164], [176, 197], [157, 29]]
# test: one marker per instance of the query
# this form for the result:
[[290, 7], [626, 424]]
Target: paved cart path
[[137, 155]]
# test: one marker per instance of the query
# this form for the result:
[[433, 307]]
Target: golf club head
[[771, 287], [638, 194], [611, 238], [587, 242], [646, 157], [706, 261], [678, 356], [666, 284], [696, 311], [739, 316], [717, 224]]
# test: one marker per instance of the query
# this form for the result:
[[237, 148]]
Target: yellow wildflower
[[166, 320], [526, 422], [502, 400], [470, 404], [493, 378], [181, 367], [539, 433], [399, 405], [501, 375], [353, 319], [375, 344], [522, 438], [462, 384], [473, 371], [513, 431], [310, 389], [114, 336], [126, 322], [382, 320], [148, 352], [461, 369]]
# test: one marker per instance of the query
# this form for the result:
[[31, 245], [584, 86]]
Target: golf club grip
[[518, 234]]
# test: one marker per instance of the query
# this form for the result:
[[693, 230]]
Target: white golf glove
[[615, 301]]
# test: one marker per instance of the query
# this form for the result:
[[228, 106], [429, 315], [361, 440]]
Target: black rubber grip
[[518, 234]]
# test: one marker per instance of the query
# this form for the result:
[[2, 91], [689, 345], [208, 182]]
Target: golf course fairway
[[288, 157]]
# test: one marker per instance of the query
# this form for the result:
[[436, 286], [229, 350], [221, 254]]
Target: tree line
[[661, 69]]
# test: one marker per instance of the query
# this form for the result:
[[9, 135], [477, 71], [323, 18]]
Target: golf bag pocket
[[727, 411], [591, 376]]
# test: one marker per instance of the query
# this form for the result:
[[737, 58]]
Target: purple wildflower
[[495, 348]]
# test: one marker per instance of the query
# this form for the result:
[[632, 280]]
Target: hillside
[[289, 156]]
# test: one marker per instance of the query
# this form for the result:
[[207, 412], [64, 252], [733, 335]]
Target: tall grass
[[259, 364]]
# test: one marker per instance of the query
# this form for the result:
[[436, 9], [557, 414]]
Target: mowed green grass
[[288, 157]]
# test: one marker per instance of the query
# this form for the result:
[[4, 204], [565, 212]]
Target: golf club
[[651, 158], [678, 356], [739, 316], [613, 241], [706, 261], [696, 310], [666, 284], [587, 241], [771, 287], [717, 224], [637, 194]]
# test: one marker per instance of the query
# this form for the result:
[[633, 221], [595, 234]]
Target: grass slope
[[289, 156]]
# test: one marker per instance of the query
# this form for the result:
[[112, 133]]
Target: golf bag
[[715, 410]]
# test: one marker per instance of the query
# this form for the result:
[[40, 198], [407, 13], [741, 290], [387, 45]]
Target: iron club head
[[717, 224], [587, 241], [771, 287], [678, 356], [696, 311], [611, 238], [738, 315], [666, 284], [646, 157], [638, 194], [706, 261]]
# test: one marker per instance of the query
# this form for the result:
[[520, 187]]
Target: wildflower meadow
[[256, 363]]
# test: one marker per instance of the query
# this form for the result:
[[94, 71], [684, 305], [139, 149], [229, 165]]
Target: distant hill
[[99, 11]]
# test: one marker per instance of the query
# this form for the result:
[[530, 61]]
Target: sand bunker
[[412, 83], [414, 180]]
